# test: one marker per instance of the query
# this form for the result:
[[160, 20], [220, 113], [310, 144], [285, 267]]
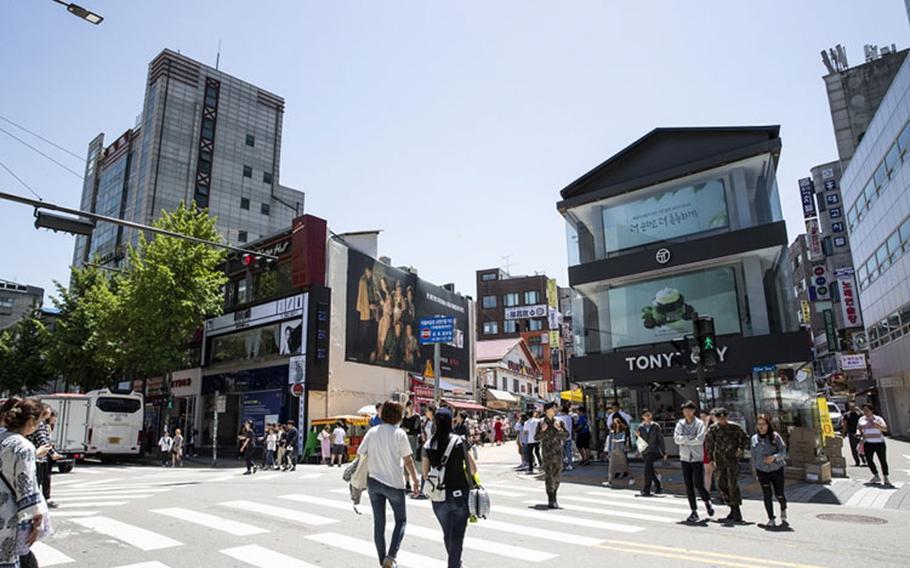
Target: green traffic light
[[709, 343]]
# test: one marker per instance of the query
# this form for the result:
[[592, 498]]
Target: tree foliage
[[22, 356]]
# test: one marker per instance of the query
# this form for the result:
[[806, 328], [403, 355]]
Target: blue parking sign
[[439, 329]]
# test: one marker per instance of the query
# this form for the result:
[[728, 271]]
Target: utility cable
[[36, 135], [20, 180], [23, 142]]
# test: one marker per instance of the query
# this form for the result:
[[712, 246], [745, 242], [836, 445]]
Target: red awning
[[464, 405]]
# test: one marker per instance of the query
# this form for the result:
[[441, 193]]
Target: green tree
[[170, 287], [23, 352]]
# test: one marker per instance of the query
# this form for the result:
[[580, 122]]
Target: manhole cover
[[859, 519]]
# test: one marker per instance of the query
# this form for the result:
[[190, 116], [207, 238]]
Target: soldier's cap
[[719, 412]]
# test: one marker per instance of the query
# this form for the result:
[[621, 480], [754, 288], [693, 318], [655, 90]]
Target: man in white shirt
[[567, 422], [164, 444], [338, 446], [533, 445], [386, 448], [617, 410]]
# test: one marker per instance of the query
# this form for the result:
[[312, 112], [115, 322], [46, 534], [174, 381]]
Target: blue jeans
[[269, 458], [567, 450], [380, 493], [453, 518]]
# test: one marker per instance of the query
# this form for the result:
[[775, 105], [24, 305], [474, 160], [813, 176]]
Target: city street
[[150, 517]]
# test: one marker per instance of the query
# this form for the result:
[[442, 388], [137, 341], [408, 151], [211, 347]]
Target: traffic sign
[[440, 329], [297, 389]]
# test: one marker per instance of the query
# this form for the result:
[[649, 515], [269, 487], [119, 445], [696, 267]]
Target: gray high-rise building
[[203, 136]]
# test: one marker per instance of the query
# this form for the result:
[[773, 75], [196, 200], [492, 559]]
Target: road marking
[[662, 500], [365, 548], [105, 491], [59, 514], [214, 522], [93, 504], [549, 517], [609, 513], [519, 553], [222, 478], [503, 493], [262, 557], [310, 476], [626, 504], [140, 538], [102, 481], [279, 512], [48, 556], [152, 564], [69, 498], [874, 497], [546, 534], [694, 555]]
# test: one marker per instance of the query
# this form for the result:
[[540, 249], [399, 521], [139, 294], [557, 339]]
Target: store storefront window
[[735, 395], [255, 343], [788, 395]]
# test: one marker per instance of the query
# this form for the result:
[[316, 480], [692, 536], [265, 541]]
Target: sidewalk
[[851, 491]]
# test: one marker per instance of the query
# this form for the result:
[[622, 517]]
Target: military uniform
[[552, 441], [723, 445]]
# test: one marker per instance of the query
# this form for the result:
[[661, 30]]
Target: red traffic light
[[247, 259]]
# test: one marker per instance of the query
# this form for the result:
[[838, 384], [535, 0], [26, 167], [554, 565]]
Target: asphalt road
[[151, 517]]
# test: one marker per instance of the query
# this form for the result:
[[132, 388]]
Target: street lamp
[[79, 11]]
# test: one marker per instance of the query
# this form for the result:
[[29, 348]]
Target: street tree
[[23, 353]]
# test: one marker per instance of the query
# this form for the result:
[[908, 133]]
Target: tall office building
[[203, 136]]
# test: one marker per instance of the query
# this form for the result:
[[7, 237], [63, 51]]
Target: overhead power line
[[23, 142], [20, 180], [38, 136]]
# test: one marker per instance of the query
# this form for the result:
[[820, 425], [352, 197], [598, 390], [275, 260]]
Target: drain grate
[[858, 519]]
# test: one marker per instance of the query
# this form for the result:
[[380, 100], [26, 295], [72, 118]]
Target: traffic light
[[683, 356], [706, 340], [256, 261]]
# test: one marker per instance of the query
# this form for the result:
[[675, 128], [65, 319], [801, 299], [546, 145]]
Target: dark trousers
[[530, 451], [854, 449], [871, 450], [650, 474], [452, 515], [772, 481], [728, 482], [28, 561], [46, 482], [694, 476], [380, 494]]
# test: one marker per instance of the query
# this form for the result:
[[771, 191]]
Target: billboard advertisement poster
[[297, 370], [383, 307], [849, 304], [664, 215], [524, 312], [856, 362], [807, 195], [257, 405], [819, 283], [813, 239], [806, 312], [659, 310]]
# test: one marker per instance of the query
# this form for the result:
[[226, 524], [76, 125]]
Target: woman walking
[[768, 458], [177, 449], [452, 513], [325, 445], [247, 442], [618, 446], [386, 448], [23, 509], [271, 446], [872, 429], [497, 431], [708, 419], [651, 445]]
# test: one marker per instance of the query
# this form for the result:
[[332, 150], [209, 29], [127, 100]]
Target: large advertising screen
[[383, 307], [660, 310], [665, 215]]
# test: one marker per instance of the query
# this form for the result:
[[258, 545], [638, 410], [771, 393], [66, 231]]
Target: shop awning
[[502, 396], [464, 405], [572, 395]]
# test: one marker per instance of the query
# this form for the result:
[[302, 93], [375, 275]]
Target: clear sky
[[450, 125]]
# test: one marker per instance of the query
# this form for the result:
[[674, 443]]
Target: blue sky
[[449, 125]]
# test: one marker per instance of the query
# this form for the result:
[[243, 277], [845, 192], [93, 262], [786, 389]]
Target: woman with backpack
[[769, 453], [449, 470]]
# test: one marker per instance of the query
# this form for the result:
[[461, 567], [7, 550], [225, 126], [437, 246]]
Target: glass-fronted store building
[[682, 223]]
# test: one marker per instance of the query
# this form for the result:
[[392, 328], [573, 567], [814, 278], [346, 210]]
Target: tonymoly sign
[[663, 360]]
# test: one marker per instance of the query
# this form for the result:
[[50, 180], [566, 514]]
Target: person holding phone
[[872, 429], [650, 442]]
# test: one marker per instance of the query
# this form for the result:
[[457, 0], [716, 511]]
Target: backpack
[[436, 484]]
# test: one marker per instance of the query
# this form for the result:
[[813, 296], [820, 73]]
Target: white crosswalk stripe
[[669, 500], [66, 514], [626, 504], [535, 532], [366, 548], [92, 504], [102, 497], [235, 528], [614, 513], [470, 543], [262, 557], [152, 564], [495, 491], [140, 538], [279, 512], [48, 556]]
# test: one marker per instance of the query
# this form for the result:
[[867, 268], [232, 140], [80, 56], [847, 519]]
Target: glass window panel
[[532, 297], [905, 231], [535, 325], [489, 302], [892, 159], [881, 256], [510, 326], [862, 272], [883, 332], [510, 299], [894, 245], [905, 318], [903, 141], [851, 217], [894, 324], [880, 176], [869, 194], [247, 171]]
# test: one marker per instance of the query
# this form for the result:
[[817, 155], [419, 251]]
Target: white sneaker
[[771, 523], [875, 480], [887, 481], [631, 481]]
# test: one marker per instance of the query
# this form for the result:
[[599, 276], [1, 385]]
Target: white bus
[[98, 423]]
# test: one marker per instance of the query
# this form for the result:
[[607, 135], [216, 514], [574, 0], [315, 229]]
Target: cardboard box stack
[[834, 449], [804, 460]]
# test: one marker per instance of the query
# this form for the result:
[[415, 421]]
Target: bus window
[[124, 405]]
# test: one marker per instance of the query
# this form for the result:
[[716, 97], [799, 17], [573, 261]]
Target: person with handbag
[[23, 512], [872, 428], [552, 436], [769, 455], [650, 442], [389, 457], [449, 470], [619, 442]]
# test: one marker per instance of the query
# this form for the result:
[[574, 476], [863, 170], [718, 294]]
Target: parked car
[[837, 416]]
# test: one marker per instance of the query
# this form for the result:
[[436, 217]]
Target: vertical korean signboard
[[849, 303], [830, 331], [807, 196], [819, 283]]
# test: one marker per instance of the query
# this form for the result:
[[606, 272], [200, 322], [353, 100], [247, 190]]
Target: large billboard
[[659, 310], [383, 307], [668, 214]]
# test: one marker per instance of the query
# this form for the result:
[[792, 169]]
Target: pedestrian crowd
[[276, 448]]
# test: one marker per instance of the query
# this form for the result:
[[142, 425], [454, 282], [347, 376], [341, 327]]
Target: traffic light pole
[[437, 392]]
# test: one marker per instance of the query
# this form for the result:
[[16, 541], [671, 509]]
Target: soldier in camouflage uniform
[[552, 436], [725, 444]]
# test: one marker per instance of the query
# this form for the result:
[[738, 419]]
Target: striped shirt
[[40, 437], [871, 429]]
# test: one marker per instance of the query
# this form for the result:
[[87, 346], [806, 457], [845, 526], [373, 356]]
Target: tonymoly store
[[686, 222]]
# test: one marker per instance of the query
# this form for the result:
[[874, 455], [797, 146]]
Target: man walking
[[651, 435], [290, 451], [726, 443], [533, 446], [338, 446], [689, 435], [551, 435], [164, 446]]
